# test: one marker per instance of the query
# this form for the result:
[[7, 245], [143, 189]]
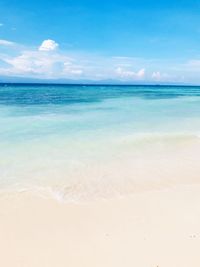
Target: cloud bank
[[46, 61]]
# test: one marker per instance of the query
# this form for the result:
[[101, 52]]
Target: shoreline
[[157, 228], [89, 172]]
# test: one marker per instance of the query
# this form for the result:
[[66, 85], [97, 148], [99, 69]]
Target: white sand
[[149, 229]]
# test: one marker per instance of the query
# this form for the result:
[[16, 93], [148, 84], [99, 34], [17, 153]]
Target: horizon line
[[98, 84]]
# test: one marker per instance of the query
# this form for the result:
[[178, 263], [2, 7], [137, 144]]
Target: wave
[[110, 168]]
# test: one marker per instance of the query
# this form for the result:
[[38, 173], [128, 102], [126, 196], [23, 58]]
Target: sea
[[88, 142]]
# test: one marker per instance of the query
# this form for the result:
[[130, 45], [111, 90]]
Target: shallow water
[[95, 141]]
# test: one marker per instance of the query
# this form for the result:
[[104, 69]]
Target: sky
[[120, 40]]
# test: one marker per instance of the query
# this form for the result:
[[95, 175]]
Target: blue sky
[[84, 39]]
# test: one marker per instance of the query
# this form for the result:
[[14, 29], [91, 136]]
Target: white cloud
[[126, 74], [48, 45], [141, 73], [32, 62], [6, 43], [47, 62], [157, 76], [41, 65], [70, 68]]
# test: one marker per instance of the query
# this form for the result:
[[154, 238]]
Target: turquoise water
[[71, 139]]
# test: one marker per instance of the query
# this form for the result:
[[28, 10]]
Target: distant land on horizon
[[22, 80]]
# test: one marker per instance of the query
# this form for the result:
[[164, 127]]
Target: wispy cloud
[[6, 43], [130, 75], [194, 63]]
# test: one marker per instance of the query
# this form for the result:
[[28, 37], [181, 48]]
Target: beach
[[156, 228], [99, 176]]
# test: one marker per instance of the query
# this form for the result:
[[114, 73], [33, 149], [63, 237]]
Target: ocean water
[[77, 142]]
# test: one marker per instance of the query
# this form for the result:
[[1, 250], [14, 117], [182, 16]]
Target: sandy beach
[[148, 229]]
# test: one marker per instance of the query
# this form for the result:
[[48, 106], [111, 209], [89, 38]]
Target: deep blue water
[[33, 94]]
